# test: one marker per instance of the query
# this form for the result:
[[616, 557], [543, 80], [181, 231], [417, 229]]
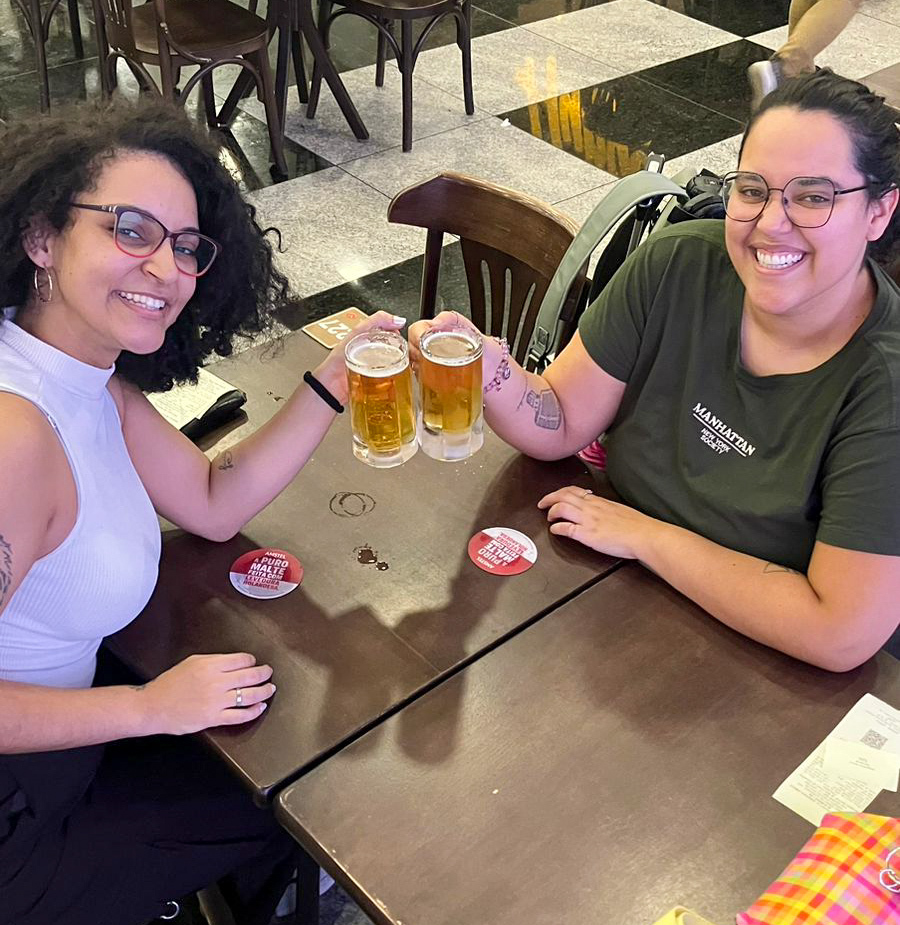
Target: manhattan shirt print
[[717, 434]]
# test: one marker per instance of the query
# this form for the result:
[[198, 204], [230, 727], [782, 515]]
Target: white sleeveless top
[[101, 576]]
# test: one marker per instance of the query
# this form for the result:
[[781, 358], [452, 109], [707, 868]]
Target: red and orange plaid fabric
[[834, 880]]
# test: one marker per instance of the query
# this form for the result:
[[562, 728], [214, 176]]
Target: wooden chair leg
[[315, 83], [299, 67], [381, 55], [35, 27], [102, 50], [276, 128], [464, 40], [75, 29], [209, 100], [242, 87], [406, 73], [281, 67]]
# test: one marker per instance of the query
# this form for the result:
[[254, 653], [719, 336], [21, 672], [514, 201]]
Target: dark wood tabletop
[[389, 602], [615, 759]]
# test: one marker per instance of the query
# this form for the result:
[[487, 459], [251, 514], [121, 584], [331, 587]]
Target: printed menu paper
[[186, 402], [833, 778]]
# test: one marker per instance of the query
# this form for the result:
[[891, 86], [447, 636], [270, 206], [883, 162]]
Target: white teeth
[[775, 261], [145, 300]]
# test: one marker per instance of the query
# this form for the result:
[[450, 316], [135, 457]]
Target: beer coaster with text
[[266, 573], [330, 331], [502, 551]]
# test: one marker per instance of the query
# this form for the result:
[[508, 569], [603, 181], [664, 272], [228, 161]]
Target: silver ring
[[587, 492], [238, 697]]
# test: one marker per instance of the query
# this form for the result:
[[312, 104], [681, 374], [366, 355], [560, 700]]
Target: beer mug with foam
[[382, 411], [451, 422]]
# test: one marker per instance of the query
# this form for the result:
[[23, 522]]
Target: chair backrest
[[511, 246], [117, 22]]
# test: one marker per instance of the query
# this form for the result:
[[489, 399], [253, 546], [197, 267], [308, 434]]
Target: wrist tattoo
[[546, 408], [774, 567], [5, 569], [227, 461]]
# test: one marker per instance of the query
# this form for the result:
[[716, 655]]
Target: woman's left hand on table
[[607, 526]]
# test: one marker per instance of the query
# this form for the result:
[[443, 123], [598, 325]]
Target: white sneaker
[[764, 77]]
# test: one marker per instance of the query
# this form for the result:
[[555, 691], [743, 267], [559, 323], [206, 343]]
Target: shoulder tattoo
[[226, 461], [5, 569]]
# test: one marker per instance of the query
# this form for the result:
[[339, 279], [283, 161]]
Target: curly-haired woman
[[128, 256]]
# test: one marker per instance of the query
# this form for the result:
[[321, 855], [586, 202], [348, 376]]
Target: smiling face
[[788, 271], [105, 301]]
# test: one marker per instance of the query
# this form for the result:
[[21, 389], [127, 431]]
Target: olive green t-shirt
[[765, 465]]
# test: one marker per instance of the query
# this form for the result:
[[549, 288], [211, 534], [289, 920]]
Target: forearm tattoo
[[773, 567], [226, 461], [546, 409], [5, 569]]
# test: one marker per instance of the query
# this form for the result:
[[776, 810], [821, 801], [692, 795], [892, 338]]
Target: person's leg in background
[[812, 26]]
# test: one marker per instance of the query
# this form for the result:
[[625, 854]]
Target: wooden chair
[[514, 240], [382, 14], [174, 34], [38, 22]]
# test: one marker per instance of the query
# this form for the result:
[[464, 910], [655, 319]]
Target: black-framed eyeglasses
[[808, 201], [140, 234]]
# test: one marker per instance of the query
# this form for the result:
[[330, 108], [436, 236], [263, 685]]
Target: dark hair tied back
[[871, 125], [46, 164]]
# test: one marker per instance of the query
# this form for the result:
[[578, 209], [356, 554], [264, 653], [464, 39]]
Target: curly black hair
[[46, 164], [872, 127]]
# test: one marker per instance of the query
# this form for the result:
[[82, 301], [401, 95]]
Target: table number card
[[334, 329]]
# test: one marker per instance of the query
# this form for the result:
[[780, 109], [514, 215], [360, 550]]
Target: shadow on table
[[341, 673]]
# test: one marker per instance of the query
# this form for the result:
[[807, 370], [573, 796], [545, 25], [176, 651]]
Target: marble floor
[[569, 95]]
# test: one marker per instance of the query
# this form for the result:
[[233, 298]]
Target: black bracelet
[[322, 392]]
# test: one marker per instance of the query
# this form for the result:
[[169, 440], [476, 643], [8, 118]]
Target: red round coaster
[[502, 551], [266, 573]]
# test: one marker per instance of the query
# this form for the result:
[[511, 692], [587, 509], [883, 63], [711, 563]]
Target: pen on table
[[221, 410]]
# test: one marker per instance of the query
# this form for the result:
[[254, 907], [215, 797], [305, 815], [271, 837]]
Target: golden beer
[[451, 421], [382, 413]]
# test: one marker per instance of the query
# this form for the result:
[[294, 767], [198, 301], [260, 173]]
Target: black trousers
[[107, 835]]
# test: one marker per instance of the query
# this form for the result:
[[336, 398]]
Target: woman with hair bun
[[127, 256], [747, 376]]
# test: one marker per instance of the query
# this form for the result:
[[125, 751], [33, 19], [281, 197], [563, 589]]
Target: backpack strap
[[628, 193]]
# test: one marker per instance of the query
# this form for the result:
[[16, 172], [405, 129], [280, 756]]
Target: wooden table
[[614, 759], [356, 640]]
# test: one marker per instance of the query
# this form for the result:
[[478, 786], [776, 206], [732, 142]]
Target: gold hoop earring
[[37, 285]]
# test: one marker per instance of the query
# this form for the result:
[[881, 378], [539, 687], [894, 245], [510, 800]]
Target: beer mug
[[451, 422], [382, 413]]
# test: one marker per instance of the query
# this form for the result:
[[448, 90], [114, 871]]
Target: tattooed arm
[[557, 413], [548, 416]]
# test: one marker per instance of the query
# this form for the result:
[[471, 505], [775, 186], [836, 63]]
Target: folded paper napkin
[[838, 878]]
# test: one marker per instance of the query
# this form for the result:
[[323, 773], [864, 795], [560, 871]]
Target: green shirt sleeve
[[861, 475], [612, 326]]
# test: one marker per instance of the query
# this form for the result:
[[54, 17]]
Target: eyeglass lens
[[808, 201], [139, 235]]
